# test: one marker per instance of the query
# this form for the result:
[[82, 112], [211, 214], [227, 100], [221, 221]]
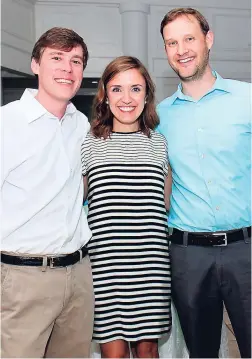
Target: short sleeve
[[83, 159], [85, 128], [83, 124], [166, 159]]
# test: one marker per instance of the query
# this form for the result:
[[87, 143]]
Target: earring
[[145, 102], [107, 102]]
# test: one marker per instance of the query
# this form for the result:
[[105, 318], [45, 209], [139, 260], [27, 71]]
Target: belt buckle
[[51, 262], [225, 239]]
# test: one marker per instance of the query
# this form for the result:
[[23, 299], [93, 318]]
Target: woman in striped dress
[[125, 165]]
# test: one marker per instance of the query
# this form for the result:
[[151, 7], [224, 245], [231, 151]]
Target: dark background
[[14, 83]]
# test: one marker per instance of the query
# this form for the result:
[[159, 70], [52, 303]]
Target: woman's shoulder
[[92, 141], [157, 136], [91, 138]]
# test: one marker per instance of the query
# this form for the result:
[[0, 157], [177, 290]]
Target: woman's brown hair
[[102, 117]]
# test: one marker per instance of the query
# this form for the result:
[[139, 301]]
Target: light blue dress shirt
[[209, 147]]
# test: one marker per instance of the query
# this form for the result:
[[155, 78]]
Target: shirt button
[[200, 129], [217, 208], [209, 182], [202, 155]]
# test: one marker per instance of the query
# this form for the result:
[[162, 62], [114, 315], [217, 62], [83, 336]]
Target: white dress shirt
[[41, 180]]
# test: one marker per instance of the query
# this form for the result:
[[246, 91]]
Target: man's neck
[[198, 88], [53, 106]]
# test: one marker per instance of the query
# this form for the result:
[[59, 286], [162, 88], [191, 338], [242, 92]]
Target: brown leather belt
[[209, 238], [51, 261]]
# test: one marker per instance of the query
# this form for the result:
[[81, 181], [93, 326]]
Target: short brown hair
[[175, 13], [59, 38], [102, 117]]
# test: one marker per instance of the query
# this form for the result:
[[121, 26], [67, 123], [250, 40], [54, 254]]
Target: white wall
[[231, 53], [17, 34], [100, 24]]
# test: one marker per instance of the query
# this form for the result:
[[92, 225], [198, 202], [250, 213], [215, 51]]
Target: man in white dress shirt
[[47, 291]]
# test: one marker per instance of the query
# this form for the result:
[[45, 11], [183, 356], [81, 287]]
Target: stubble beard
[[199, 71]]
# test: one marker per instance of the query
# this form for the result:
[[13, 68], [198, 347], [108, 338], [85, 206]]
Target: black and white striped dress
[[129, 249]]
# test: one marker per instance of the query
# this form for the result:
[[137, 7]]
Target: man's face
[[187, 47], [60, 73]]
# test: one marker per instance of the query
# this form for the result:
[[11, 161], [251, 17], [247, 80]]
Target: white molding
[[218, 20], [77, 2], [241, 4], [134, 7], [225, 55], [203, 4], [99, 26], [28, 3], [17, 42], [233, 69], [96, 65], [53, 3], [9, 56], [227, 69]]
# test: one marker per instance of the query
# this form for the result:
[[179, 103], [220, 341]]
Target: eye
[[116, 89], [190, 39], [136, 89], [77, 62], [172, 43], [57, 58]]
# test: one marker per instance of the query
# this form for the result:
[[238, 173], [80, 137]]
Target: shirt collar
[[219, 84], [36, 110]]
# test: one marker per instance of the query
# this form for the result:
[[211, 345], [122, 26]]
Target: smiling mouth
[[184, 61], [64, 81], [126, 109]]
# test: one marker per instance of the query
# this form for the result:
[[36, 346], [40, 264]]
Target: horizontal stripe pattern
[[129, 249]]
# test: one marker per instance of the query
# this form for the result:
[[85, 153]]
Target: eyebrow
[[121, 86], [56, 53], [172, 39], [62, 53]]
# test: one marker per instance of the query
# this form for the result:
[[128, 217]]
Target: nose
[[67, 66], [126, 98], [182, 49]]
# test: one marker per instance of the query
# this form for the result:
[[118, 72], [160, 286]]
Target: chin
[[187, 77], [66, 97]]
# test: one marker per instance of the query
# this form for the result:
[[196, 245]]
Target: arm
[[85, 130], [85, 182], [8, 142], [168, 188]]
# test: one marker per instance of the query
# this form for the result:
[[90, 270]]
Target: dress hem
[[142, 337]]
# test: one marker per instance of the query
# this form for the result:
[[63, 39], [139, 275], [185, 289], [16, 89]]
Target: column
[[135, 30]]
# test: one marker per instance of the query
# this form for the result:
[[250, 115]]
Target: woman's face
[[126, 93]]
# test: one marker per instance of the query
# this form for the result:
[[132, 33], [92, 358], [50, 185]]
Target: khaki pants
[[47, 313]]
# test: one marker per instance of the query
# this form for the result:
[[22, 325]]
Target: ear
[[209, 39], [35, 67]]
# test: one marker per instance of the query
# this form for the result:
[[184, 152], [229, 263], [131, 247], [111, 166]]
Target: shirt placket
[[203, 135], [67, 196]]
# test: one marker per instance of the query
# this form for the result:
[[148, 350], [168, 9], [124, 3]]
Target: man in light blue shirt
[[207, 123]]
